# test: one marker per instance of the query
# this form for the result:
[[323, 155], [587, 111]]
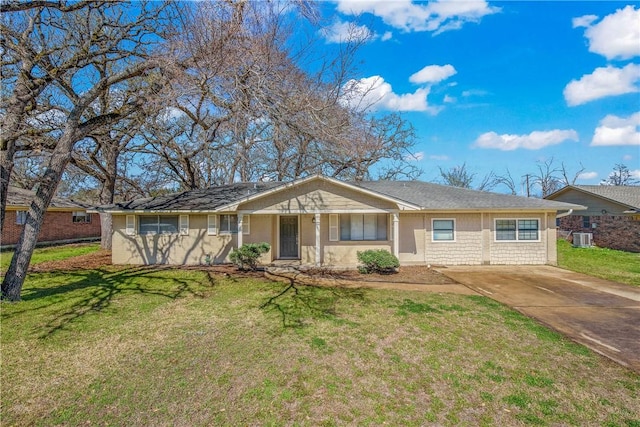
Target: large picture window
[[363, 227], [443, 230], [517, 229], [158, 224]]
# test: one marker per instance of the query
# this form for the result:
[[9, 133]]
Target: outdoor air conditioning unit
[[582, 240]]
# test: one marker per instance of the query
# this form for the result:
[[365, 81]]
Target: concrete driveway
[[603, 315]]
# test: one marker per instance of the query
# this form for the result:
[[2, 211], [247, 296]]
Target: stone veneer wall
[[614, 232]]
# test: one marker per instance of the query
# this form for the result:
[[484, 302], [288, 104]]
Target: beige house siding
[[523, 252], [467, 247], [412, 239], [474, 242], [313, 196]]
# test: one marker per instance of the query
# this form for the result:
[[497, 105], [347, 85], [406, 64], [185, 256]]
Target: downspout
[[562, 215]]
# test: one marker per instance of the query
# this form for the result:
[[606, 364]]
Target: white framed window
[[80, 217], [212, 225], [334, 228], [443, 230], [131, 225], [21, 217], [158, 224], [228, 224], [516, 230], [363, 226], [184, 225]]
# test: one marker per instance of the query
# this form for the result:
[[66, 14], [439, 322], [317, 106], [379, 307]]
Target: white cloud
[[603, 82], [616, 36], [415, 157], [433, 74], [587, 175], [635, 173], [373, 93], [341, 32], [534, 141], [583, 21], [627, 157], [614, 130], [435, 16], [474, 92], [441, 157], [386, 36], [449, 99]]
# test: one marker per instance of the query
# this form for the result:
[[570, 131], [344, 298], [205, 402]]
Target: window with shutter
[[334, 228], [184, 225], [212, 226], [131, 225]]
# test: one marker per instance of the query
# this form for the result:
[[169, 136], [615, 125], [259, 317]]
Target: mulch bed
[[407, 274]]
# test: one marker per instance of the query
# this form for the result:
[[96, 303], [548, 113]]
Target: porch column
[[396, 235], [317, 221], [240, 229]]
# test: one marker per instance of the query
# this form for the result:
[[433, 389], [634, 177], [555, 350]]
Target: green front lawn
[[52, 253], [619, 266], [146, 346]]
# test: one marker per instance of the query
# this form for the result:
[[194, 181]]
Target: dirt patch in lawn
[[89, 261], [408, 274]]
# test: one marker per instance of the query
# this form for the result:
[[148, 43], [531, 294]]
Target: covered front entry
[[289, 237]]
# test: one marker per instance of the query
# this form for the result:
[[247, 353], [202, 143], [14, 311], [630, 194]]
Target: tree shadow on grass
[[299, 303], [94, 290]]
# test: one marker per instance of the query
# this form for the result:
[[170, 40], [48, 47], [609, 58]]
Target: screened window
[[228, 224], [505, 229], [586, 222], [21, 217], [517, 229], [443, 230], [158, 224], [527, 229], [81, 217], [363, 227]]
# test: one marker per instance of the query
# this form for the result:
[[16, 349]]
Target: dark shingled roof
[[431, 196], [22, 198], [427, 196], [195, 200], [628, 195]]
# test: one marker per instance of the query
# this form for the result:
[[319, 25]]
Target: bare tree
[[621, 175], [461, 176], [103, 45]]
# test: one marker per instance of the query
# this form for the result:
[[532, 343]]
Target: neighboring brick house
[[324, 222], [612, 215], [64, 221]]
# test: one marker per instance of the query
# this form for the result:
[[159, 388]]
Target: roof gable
[[628, 196]]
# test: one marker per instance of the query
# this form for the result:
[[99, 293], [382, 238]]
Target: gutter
[[562, 215]]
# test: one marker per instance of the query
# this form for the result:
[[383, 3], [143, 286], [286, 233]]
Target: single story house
[[612, 214], [65, 221], [324, 222]]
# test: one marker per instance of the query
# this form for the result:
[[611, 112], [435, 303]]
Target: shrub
[[246, 256], [377, 261]]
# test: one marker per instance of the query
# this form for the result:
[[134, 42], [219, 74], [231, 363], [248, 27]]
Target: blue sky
[[500, 85]]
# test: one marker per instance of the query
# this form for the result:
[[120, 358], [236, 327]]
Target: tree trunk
[[106, 231], [6, 166], [14, 278]]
